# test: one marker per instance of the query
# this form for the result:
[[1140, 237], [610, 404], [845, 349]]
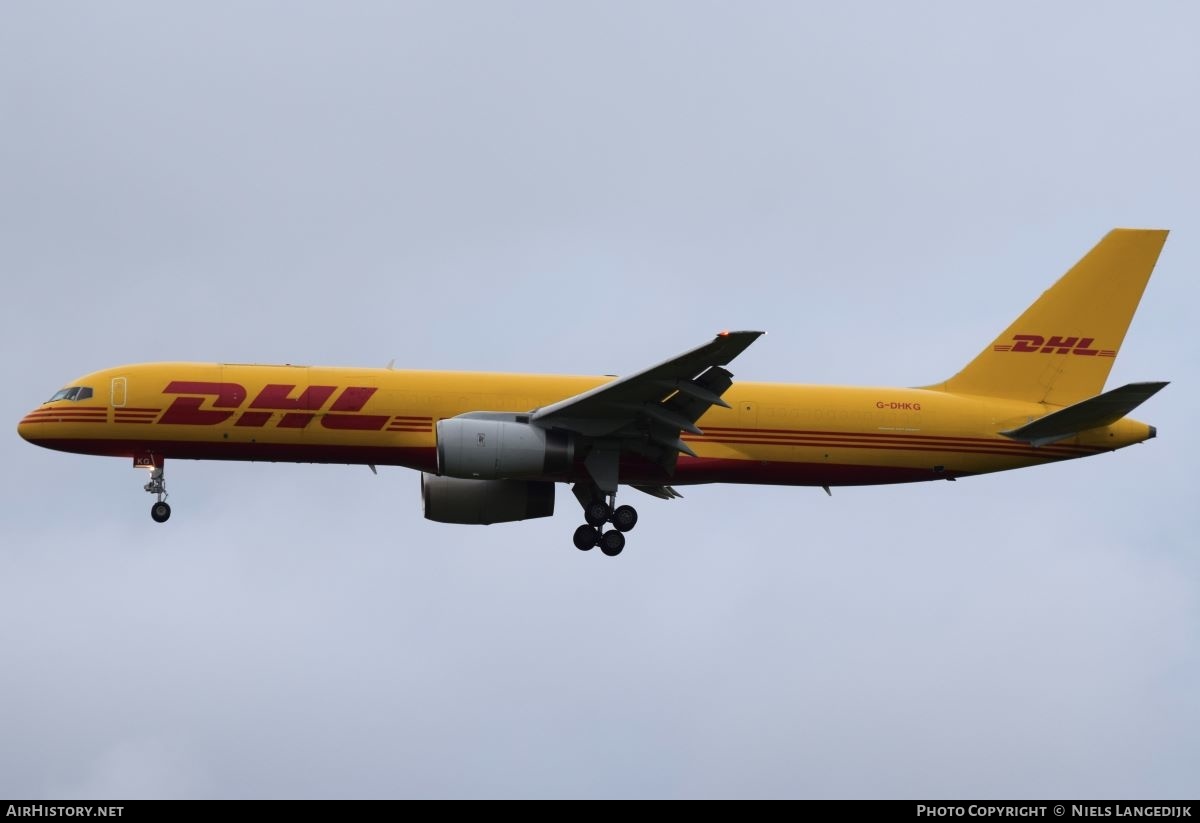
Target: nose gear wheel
[[160, 511]]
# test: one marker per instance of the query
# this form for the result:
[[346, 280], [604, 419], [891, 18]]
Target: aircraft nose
[[25, 429], [28, 427]]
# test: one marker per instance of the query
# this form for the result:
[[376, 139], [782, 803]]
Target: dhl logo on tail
[[1055, 345]]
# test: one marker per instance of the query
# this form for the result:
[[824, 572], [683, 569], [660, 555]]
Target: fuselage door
[[116, 397]]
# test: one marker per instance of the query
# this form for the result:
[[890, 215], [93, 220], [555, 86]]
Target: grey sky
[[590, 188]]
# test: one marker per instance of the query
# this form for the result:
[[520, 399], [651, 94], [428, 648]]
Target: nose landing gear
[[160, 511]]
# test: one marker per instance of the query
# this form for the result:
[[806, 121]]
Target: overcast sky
[[591, 188]]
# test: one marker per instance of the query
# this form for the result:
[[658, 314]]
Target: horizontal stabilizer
[[1101, 410]]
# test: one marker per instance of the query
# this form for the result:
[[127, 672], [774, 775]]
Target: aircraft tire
[[160, 512], [596, 513], [586, 537], [612, 543], [625, 518]]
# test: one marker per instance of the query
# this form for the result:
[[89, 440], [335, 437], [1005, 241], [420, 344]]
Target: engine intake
[[488, 447], [480, 502]]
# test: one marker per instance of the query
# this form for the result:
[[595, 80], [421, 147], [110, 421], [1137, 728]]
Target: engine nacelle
[[489, 446], [480, 502]]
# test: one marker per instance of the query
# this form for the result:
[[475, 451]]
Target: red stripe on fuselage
[[731, 430], [932, 442], [64, 415], [421, 458], [1030, 451], [851, 441], [693, 470], [61, 419], [70, 407], [67, 413], [424, 458], [354, 422]]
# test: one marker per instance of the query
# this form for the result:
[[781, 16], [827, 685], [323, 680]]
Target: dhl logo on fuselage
[[228, 398], [1055, 345]]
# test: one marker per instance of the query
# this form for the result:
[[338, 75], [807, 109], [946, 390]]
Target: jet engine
[[479, 502], [493, 446]]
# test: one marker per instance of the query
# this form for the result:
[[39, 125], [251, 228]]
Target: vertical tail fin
[[1061, 349]]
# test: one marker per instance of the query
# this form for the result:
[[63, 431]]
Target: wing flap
[[697, 390], [661, 492]]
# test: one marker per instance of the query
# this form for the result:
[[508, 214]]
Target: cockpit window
[[75, 393]]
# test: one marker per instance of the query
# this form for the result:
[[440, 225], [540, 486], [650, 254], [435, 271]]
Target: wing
[[647, 411]]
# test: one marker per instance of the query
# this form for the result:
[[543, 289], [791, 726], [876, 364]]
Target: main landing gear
[[598, 511], [160, 511]]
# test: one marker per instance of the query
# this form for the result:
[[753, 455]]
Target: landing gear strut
[[160, 511], [598, 509]]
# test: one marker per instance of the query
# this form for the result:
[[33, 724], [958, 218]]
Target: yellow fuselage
[[773, 432]]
